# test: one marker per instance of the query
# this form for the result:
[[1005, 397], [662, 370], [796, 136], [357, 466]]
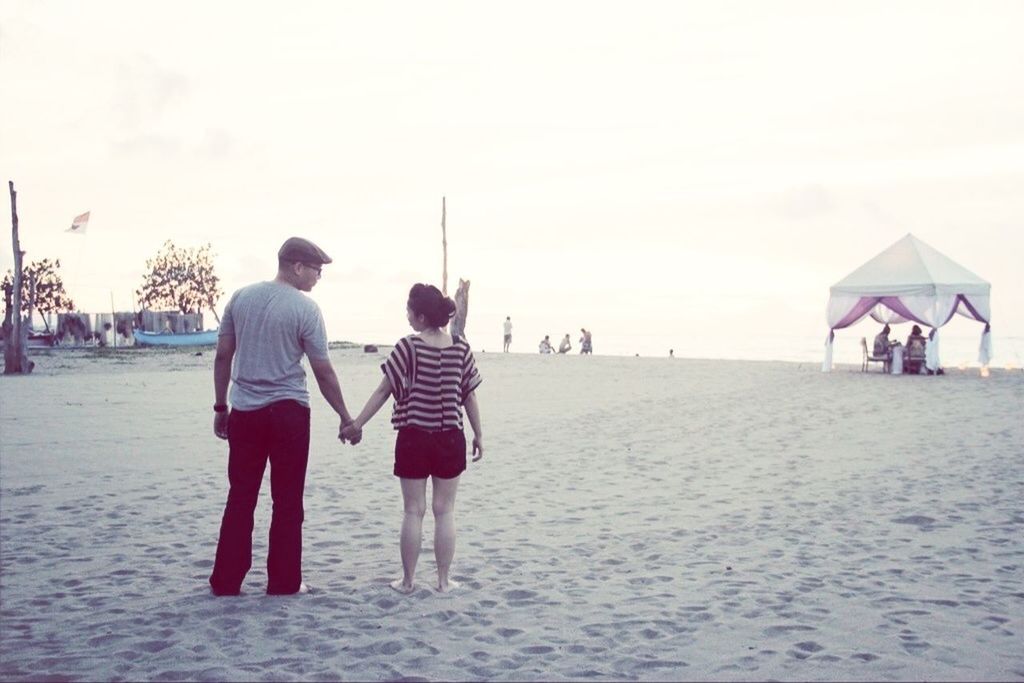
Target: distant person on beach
[[586, 343], [508, 332], [671, 353], [266, 329], [545, 345], [432, 376], [566, 345]]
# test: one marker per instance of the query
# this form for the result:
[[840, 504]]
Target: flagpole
[[444, 246], [78, 227]]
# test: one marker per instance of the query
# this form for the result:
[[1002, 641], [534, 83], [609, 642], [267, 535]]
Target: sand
[[633, 519]]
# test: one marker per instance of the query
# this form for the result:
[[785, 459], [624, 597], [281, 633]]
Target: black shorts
[[420, 454]]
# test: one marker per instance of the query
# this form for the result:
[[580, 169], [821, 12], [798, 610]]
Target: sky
[[662, 173]]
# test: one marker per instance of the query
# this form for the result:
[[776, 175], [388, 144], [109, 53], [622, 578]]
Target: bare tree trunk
[[444, 247], [458, 327], [15, 354], [214, 311]]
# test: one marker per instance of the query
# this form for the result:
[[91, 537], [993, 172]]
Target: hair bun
[[428, 301]]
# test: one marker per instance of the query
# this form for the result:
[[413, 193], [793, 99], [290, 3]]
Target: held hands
[[478, 448], [220, 425], [350, 432]]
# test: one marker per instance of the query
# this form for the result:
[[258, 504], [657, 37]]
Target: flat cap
[[299, 249]]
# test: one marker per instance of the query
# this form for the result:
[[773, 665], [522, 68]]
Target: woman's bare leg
[[414, 496], [444, 529]]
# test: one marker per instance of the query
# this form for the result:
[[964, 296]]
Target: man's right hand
[[350, 432], [220, 425]]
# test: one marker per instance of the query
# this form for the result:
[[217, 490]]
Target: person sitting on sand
[[586, 344], [566, 345], [545, 345], [432, 376]]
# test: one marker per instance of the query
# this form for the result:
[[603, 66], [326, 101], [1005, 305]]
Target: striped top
[[430, 384]]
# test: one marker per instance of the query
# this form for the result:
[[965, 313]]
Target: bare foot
[[448, 586], [400, 586]]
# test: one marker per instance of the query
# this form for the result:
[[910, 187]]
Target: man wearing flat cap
[[266, 329]]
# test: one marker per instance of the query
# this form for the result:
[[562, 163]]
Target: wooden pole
[[444, 246], [113, 321], [15, 353]]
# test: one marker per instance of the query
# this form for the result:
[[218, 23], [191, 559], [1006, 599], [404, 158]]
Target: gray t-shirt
[[273, 325]]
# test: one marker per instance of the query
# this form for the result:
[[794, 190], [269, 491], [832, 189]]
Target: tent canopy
[[911, 267], [910, 281]]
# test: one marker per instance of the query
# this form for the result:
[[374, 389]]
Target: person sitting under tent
[[915, 351], [883, 347]]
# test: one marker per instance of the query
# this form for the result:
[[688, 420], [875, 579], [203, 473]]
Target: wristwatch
[[220, 408]]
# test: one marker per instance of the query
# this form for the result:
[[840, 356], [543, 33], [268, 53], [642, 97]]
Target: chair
[[868, 358], [915, 356]]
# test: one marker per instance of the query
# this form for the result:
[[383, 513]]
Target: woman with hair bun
[[432, 376]]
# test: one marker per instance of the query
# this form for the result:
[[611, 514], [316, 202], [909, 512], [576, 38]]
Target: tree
[[15, 333], [181, 278], [49, 296]]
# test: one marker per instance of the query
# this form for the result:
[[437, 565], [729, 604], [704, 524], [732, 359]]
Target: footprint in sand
[[914, 645], [809, 646], [920, 521], [785, 629], [864, 656], [519, 595], [153, 646], [102, 641]]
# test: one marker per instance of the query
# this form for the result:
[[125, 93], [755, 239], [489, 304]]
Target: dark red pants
[[278, 432]]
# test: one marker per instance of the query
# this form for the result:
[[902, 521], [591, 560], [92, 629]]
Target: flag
[[80, 223]]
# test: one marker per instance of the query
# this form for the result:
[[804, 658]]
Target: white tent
[[910, 281]]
